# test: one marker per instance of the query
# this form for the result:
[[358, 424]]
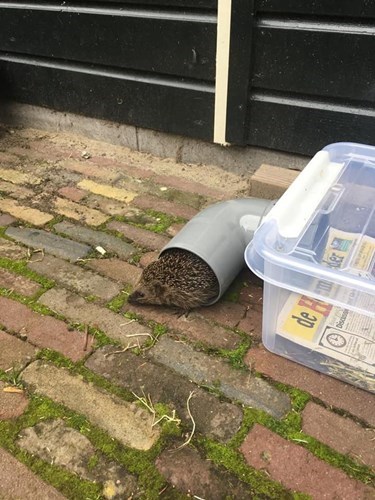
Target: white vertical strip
[[222, 70]]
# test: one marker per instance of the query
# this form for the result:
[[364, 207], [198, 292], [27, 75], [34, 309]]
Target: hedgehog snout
[[135, 297]]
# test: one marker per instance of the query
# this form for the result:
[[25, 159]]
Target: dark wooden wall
[[302, 73], [311, 67], [149, 63]]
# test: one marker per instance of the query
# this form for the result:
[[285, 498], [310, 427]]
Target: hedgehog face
[[152, 293]]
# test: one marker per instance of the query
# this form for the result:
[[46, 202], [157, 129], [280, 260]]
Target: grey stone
[[54, 442], [124, 421], [51, 243], [217, 419], [77, 309], [207, 370], [96, 238], [73, 276]]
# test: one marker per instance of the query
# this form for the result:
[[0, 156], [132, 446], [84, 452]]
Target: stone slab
[[27, 214], [17, 283], [12, 404], [79, 212], [14, 353]]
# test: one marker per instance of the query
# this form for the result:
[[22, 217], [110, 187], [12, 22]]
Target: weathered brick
[[17, 481], [6, 158], [297, 468], [43, 331], [126, 422], [31, 215], [79, 212], [72, 193], [74, 277], [142, 237], [252, 324], [12, 405], [271, 182], [186, 185], [15, 191], [152, 202], [77, 309], [6, 220], [147, 258], [174, 229], [192, 327], [199, 478], [10, 250], [329, 390], [341, 434], [51, 243], [54, 442], [96, 238], [89, 169], [204, 369], [212, 417], [107, 191], [14, 353], [110, 206], [226, 313], [16, 177], [116, 269], [17, 283]]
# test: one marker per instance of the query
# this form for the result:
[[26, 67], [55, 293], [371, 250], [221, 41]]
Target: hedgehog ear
[[159, 288]]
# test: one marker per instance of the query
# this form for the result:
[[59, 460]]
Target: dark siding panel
[[157, 45], [307, 127], [315, 61], [346, 8], [197, 4], [152, 104]]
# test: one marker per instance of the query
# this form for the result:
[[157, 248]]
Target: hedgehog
[[179, 278]]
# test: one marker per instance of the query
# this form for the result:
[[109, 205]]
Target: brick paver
[[96, 238], [340, 433], [17, 283], [17, 481], [75, 308], [51, 243], [78, 212], [72, 276], [14, 353], [95, 415], [43, 331], [116, 269], [27, 214], [207, 370], [333, 392], [198, 478], [12, 404], [126, 422], [142, 237], [217, 419], [297, 468]]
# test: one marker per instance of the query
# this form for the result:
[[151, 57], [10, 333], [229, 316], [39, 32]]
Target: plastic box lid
[[319, 238]]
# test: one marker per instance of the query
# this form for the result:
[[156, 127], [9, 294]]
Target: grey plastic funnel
[[219, 235]]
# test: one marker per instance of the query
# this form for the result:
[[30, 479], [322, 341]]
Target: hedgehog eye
[[141, 294]]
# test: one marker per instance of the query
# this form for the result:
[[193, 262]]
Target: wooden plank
[[271, 182], [306, 127], [316, 59], [345, 8], [149, 103], [144, 42]]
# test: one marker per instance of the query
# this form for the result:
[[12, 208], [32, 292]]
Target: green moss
[[235, 357], [232, 460], [93, 462], [117, 303], [20, 267], [152, 220]]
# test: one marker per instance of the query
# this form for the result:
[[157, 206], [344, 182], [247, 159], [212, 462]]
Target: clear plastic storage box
[[315, 251]]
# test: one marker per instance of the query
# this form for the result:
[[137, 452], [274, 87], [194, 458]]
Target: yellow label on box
[[305, 317]]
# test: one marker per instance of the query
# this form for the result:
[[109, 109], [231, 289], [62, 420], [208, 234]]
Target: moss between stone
[[152, 220]]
